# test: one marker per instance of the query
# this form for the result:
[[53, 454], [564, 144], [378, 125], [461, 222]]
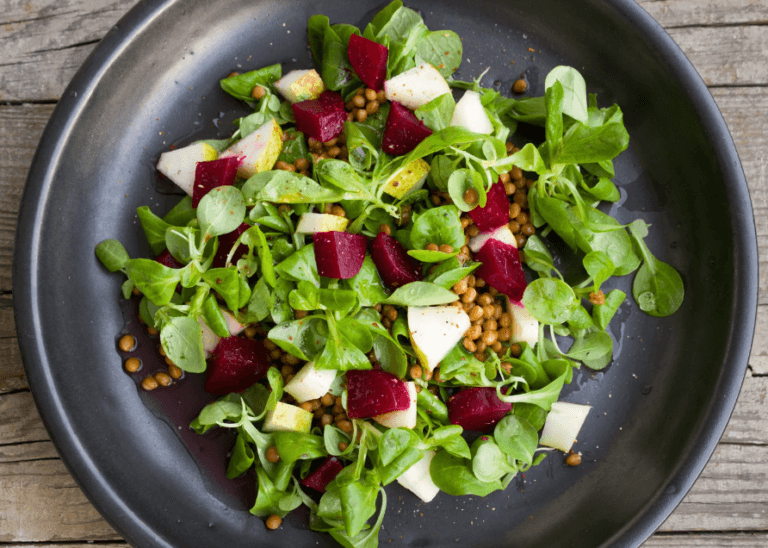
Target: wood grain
[[744, 540], [687, 13]]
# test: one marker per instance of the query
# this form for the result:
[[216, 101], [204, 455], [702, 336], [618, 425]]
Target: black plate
[[658, 411]]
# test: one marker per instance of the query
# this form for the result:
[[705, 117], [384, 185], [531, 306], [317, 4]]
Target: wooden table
[[43, 42]]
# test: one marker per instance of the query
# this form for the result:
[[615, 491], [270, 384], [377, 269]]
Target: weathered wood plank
[[19, 420], [44, 42], [11, 371], [41, 502], [686, 13], [730, 494], [27, 451], [736, 540]]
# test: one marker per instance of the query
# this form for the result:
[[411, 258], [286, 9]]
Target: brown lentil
[[497, 347], [306, 406], [489, 337], [162, 378], [274, 521], [471, 280], [481, 356], [515, 350], [474, 332], [427, 374], [358, 101], [470, 196], [269, 345], [446, 248], [175, 372], [345, 426], [460, 286], [490, 325], [516, 173], [275, 354], [258, 92], [574, 459], [520, 86], [383, 227], [272, 455], [152, 331], [469, 345], [520, 240], [431, 247], [149, 383], [343, 446], [469, 295], [328, 400], [597, 298], [326, 420], [132, 365], [507, 367], [127, 343], [528, 229], [286, 370], [505, 333]]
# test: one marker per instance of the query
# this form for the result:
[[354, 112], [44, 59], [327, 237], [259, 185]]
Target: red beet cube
[[166, 259], [323, 475], [496, 210], [236, 364], [226, 241], [209, 175], [339, 254], [322, 118], [477, 409], [372, 392], [502, 269], [403, 131], [395, 266], [369, 60]]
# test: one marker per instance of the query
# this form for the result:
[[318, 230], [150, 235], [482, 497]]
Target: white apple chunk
[[417, 479], [563, 425], [287, 418], [409, 179], [417, 86], [258, 151], [310, 223], [503, 234], [300, 85], [525, 328], [401, 419], [470, 114], [234, 327], [435, 330], [179, 165], [211, 339], [310, 383]]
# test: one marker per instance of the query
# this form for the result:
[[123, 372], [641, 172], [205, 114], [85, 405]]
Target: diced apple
[[477, 409], [403, 131], [300, 85], [309, 223], [418, 480], [417, 86], [236, 363], [495, 212], [210, 339], [502, 269], [525, 328], [502, 234], [401, 419], [470, 114], [310, 383], [179, 165], [435, 330], [372, 392], [563, 425], [235, 327], [339, 255], [395, 266], [287, 418], [409, 179], [258, 151]]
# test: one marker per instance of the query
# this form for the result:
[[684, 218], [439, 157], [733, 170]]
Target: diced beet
[[226, 241], [403, 131], [372, 392], [236, 364], [166, 259], [323, 475], [209, 175], [395, 266], [322, 118], [496, 210], [369, 60], [477, 409], [339, 254], [502, 269]]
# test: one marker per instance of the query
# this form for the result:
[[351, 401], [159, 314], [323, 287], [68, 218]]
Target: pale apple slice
[[310, 383], [409, 179], [210, 339], [287, 418], [179, 165], [235, 327], [563, 425], [258, 151], [470, 114], [300, 85], [435, 330], [503, 234], [309, 223], [417, 86], [401, 419], [417, 479], [525, 328]]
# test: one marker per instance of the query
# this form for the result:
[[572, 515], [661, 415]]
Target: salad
[[350, 271]]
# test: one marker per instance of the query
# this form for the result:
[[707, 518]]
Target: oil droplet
[[646, 390]]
